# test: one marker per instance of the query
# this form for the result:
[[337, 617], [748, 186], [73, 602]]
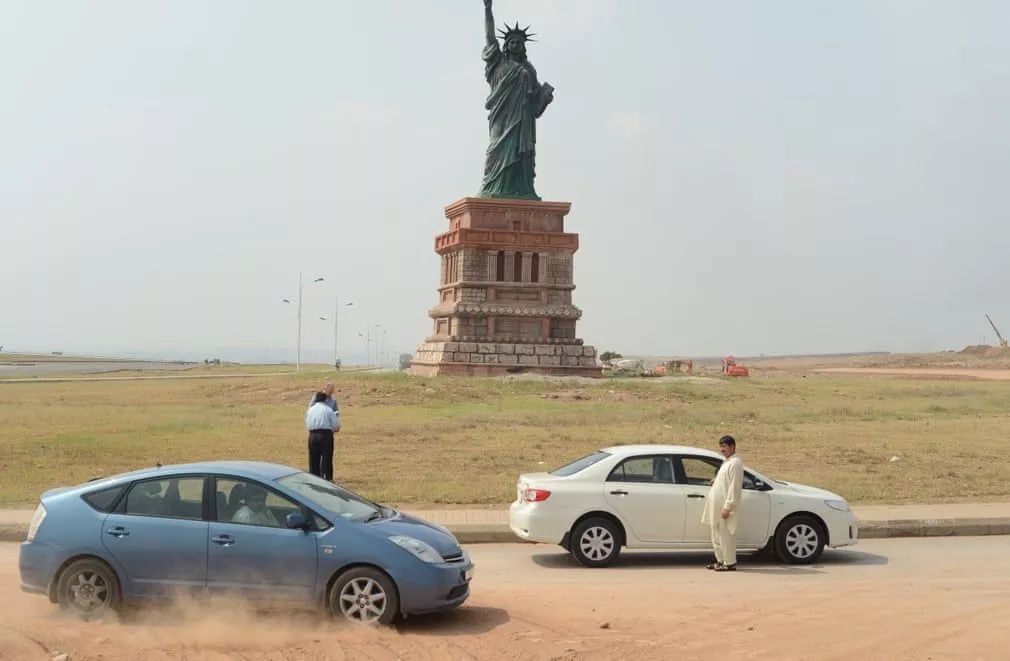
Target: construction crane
[[1002, 342]]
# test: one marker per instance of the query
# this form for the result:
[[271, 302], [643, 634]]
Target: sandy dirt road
[[924, 372], [943, 598]]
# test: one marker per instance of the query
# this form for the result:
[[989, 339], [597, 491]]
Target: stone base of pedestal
[[505, 293], [493, 359]]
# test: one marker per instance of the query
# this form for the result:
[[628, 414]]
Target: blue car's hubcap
[[89, 592], [363, 600]]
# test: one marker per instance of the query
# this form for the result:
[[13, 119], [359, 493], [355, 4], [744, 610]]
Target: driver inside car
[[254, 509]]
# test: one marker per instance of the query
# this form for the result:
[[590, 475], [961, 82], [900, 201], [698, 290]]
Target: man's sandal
[[714, 565], [726, 568]]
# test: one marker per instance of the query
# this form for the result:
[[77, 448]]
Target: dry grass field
[[411, 440]]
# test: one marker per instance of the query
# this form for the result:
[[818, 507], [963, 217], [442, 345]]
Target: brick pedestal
[[505, 293]]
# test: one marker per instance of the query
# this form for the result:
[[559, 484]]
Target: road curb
[[13, 533], [934, 527], [499, 534], [484, 534]]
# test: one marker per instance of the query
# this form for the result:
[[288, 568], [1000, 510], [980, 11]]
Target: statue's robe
[[516, 100]]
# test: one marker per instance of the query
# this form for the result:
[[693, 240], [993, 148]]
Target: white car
[[652, 497]]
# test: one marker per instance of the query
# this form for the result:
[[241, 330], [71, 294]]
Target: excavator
[[1002, 341], [730, 368]]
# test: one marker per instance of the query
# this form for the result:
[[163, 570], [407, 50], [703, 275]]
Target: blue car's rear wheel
[[89, 588], [364, 596]]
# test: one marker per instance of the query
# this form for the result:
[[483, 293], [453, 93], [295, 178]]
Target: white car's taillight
[[37, 519], [536, 495]]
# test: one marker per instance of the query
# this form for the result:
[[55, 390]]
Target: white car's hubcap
[[597, 543], [801, 541]]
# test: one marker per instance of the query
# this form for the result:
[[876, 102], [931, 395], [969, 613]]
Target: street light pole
[[298, 355], [376, 341], [298, 351], [336, 316]]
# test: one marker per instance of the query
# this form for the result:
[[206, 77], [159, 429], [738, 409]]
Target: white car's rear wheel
[[595, 542], [799, 540]]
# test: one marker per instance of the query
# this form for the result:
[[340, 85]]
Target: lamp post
[[367, 352], [336, 316], [376, 340], [301, 287]]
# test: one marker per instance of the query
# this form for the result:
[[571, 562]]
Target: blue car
[[268, 533]]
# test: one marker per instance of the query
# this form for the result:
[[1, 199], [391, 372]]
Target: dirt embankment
[[981, 357], [922, 372]]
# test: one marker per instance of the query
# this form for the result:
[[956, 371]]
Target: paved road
[[938, 598], [158, 377], [60, 368]]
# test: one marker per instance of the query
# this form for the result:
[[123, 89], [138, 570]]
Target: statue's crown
[[516, 31]]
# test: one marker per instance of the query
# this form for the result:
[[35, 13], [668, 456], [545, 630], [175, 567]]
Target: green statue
[[516, 100]]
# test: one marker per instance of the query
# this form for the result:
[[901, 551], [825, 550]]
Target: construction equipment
[[730, 368], [1002, 342], [674, 367]]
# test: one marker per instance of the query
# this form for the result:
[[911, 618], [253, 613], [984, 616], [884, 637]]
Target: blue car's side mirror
[[296, 521]]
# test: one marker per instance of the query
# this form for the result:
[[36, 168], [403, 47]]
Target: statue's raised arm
[[489, 23]]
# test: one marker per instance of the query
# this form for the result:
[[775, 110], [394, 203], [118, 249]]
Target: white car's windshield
[[330, 497]]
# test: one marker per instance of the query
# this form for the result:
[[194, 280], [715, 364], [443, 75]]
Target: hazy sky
[[747, 177]]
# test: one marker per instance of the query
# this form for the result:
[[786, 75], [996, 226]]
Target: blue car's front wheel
[[364, 595]]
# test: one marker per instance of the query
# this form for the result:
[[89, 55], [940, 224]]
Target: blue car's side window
[[103, 500], [250, 503], [173, 498]]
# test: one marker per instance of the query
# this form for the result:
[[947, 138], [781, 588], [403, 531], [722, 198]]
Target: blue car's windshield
[[329, 496]]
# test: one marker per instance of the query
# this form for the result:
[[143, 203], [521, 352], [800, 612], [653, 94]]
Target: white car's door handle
[[695, 495], [619, 492]]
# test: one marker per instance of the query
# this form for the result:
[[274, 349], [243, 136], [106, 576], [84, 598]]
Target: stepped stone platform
[[505, 293]]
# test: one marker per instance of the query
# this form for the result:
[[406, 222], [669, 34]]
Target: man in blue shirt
[[321, 421]]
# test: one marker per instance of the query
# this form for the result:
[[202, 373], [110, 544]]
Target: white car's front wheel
[[799, 540], [595, 542]]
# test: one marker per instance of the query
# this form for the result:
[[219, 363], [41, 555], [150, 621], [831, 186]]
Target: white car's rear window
[[580, 464]]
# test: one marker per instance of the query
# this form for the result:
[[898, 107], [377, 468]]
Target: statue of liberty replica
[[507, 263], [516, 101]]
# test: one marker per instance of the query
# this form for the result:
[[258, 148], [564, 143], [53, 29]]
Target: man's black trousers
[[321, 453]]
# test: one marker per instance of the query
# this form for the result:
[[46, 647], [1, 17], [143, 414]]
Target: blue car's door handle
[[118, 531], [223, 540]]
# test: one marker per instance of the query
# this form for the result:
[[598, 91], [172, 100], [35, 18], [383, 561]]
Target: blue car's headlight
[[419, 549]]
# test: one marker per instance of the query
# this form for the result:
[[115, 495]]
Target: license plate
[[468, 575]]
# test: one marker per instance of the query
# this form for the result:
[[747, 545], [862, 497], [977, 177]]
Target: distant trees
[[607, 356]]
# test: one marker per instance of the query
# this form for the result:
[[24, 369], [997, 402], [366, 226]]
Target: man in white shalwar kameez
[[722, 507]]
